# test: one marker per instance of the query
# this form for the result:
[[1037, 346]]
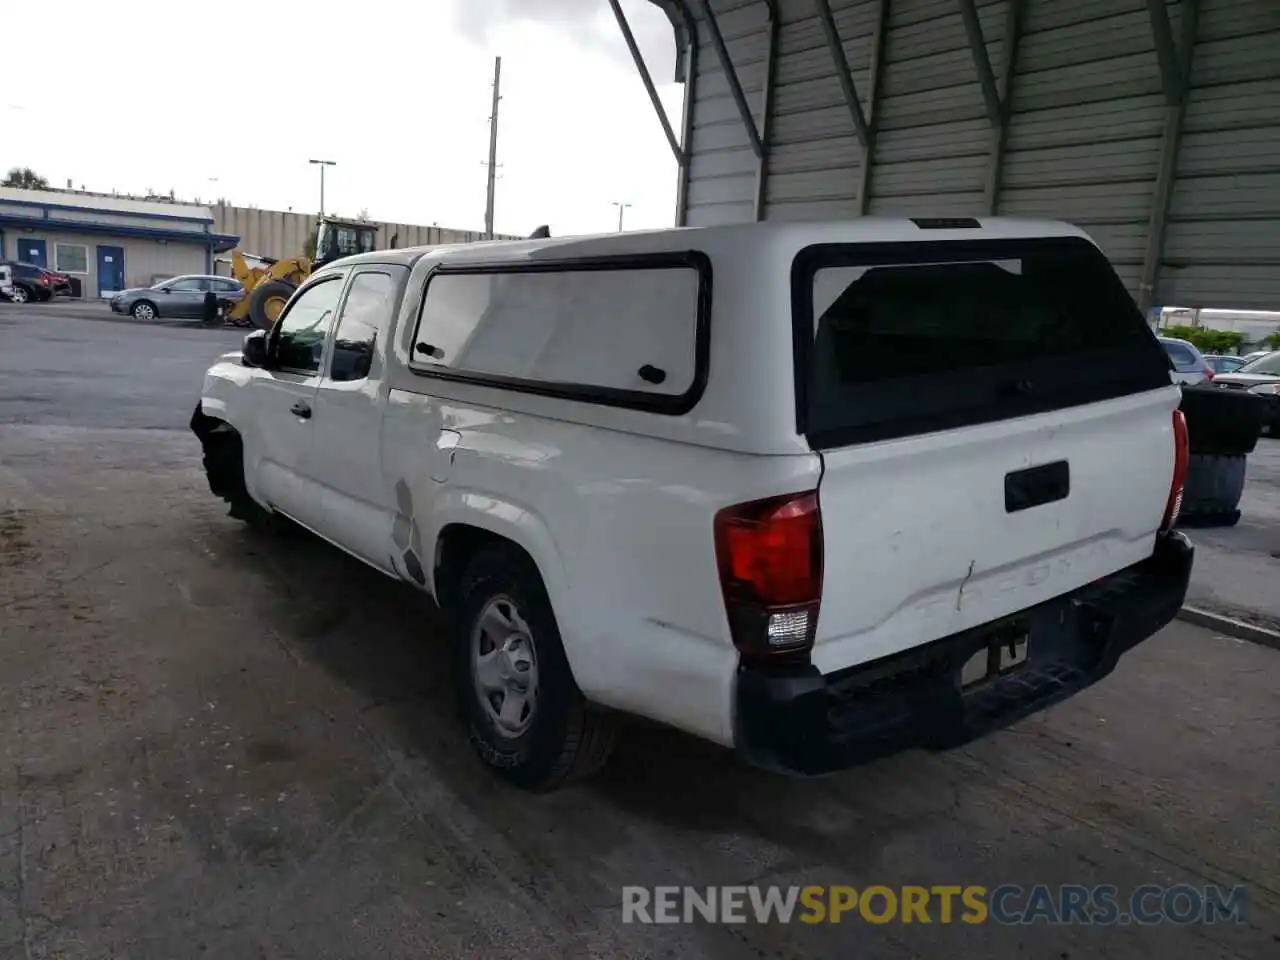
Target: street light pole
[[621, 207], [323, 164]]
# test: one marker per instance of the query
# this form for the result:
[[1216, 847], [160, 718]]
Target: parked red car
[[59, 283]]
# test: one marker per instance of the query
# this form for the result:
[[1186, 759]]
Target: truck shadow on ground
[[389, 645]]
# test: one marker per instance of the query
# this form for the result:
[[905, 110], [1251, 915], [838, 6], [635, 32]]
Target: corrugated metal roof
[[87, 201]]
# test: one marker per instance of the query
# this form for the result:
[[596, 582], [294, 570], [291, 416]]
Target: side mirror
[[254, 351]]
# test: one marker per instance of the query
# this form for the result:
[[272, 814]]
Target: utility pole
[[493, 149], [621, 207], [323, 164]]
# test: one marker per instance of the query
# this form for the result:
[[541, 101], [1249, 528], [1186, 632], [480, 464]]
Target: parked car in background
[[177, 297], [1261, 377], [1224, 363], [1250, 357], [1189, 364], [31, 282], [6, 282], [59, 283]]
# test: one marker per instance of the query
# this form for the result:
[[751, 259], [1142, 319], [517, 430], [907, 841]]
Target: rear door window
[[899, 339], [366, 313]]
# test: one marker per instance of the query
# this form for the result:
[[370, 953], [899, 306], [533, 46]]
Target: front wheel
[[19, 295], [224, 469], [143, 310], [526, 717]]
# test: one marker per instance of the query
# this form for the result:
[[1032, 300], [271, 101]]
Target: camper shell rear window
[[897, 339]]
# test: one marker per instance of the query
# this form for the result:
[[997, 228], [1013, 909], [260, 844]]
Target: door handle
[[301, 409]]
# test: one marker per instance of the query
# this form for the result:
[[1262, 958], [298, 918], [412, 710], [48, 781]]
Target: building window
[[70, 258]]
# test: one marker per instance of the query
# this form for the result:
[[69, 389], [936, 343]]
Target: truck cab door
[[359, 506], [284, 401]]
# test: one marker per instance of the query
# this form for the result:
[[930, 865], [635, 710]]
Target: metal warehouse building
[[107, 243], [1154, 125]]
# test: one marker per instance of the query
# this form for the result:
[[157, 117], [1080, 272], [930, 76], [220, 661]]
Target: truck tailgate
[[995, 421], [931, 535]]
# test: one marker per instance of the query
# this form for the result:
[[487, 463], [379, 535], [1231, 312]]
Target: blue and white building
[[107, 243]]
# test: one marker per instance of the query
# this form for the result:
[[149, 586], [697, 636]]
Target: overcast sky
[[135, 95]]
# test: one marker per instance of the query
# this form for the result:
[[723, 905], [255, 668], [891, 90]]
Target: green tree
[[25, 178], [309, 248], [1272, 341], [1206, 340]]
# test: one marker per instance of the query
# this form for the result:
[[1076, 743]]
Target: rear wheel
[[526, 716], [267, 301]]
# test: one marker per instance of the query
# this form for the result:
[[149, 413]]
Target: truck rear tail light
[[1181, 459], [770, 558]]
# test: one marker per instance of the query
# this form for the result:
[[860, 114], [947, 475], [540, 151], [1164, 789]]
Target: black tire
[[20, 294], [224, 469], [1213, 489], [259, 300], [566, 739], [134, 310]]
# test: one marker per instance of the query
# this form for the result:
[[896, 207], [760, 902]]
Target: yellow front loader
[[268, 287], [268, 283]]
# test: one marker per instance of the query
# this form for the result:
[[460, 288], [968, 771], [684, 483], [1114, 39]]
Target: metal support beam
[[766, 110], [843, 74], [730, 75], [648, 81], [686, 117], [1170, 142], [686, 105], [1171, 72], [1000, 133], [879, 32], [978, 47]]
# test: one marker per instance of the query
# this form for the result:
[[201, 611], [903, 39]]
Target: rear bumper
[[800, 721]]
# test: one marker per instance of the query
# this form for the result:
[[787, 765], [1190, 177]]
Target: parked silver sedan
[[177, 297]]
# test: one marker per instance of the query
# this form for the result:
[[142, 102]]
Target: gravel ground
[[219, 744]]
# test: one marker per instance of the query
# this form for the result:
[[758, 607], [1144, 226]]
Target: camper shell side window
[[627, 331]]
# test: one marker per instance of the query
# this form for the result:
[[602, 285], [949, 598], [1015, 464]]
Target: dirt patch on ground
[[15, 548]]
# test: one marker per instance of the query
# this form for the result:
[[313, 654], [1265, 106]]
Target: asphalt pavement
[[103, 371], [218, 744], [1237, 570]]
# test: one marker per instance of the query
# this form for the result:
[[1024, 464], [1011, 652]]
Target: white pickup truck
[[817, 492]]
